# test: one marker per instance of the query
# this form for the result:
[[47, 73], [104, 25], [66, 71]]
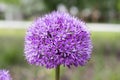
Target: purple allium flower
[[4, 75], [58, 39]]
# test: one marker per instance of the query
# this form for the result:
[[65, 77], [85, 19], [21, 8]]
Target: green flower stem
[[57, 73]]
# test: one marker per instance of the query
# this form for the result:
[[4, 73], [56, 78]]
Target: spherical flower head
[[58, 39], [4, 75]]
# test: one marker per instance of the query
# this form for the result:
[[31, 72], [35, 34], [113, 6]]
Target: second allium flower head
[[4, 75], [58, 39]]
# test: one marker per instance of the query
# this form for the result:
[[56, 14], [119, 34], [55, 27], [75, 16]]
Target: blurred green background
[[105, 61], [89, 10]]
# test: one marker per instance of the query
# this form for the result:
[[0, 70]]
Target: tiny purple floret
[[58, 39], [4, 75]]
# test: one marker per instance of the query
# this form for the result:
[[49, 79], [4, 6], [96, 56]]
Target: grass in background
[[104, 64], [12, 32]]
